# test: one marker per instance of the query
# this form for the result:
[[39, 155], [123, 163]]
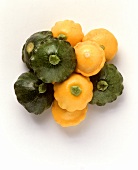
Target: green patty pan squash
[[108, 85], [33, 43], [33, 94], [54, 61]]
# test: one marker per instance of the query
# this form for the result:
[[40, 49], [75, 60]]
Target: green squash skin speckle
[[114, 79], [48, 72], [27, 92]]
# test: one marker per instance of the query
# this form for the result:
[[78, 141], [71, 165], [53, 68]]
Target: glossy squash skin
[[54, 61], [32, 93], [108, 85]]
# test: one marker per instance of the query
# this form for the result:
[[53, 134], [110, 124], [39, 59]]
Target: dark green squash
[[108, 85], [54, 61], [33, 94], [33, 43]]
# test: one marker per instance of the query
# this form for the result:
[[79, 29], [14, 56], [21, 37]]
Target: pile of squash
[[68, 70]]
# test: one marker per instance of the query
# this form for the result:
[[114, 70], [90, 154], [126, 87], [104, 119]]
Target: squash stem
[[75, 90], [102, 85], [102, 46], [42, 88], [54, 59], [62, 37]]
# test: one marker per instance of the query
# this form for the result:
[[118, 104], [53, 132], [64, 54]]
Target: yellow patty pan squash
[[66, 118], [68, 30], [74, 93], [90, 58], [105, 39]]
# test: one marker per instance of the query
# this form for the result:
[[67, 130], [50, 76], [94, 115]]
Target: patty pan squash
[[32, 45], [54, 61], [90, 58], [105, 39], [108, 85], [74, 93], [33, 94], [68, 30], [66, 118]]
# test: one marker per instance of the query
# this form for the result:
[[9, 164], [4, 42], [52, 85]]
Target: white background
[[108, 138]]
